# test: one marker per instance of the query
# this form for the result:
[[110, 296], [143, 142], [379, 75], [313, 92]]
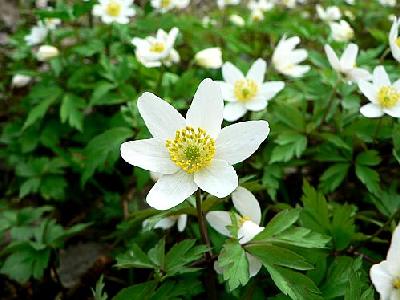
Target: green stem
[[377, 128], [330, 101]]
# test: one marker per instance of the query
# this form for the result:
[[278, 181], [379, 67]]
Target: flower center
[[396, 283], [243, 219], [388, 97], [398, 41], [191, 149], [113, 9], [165, 3], [245, 89], [157, 47]]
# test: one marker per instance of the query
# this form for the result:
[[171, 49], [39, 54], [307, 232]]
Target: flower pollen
[[157, 47], [388, 97], [398, 42], [245, 89], [113, 9], [192, 149], [165, 3], [243, 219], [396, 283]]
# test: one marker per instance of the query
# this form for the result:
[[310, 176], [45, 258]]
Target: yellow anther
[[245, 90], [157, 47], [398, 41], [396, 283], [165, 3], [243, 219], [388, 97], [113, 9], [192, 149]]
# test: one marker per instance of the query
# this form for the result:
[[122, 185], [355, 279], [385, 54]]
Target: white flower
[[20, 80], [246, 92], [210, 58], [341, 31], [237, 20], [384, 96], [346, 65], [166, 5], [287, 3], [262, 5], [257, 15], [332, 13], [386, 275], [51, 23], [170, 221], [194, 152], [206, 21], [223, 3], [286, 59], [390, 3], [37, 35], [394, 39], [117, 11], [249, 221], [46, 52], [351, 2], [156, 51], [41, 3]]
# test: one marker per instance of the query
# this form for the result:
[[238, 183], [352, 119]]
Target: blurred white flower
[[117, 11], [210, 58], [287, 3], [351, 2], [41, 3], [394, 39], [192, 153], [170, 221], [166, 5], [386, 275], [51, 23], [341, 31], [37, 35], [159, 50], [286, 59], [20, 80], [383, 95], [223, 3], [346, 65], [257, 15], [249, 219], [331, 13], [248, 92], [206, 21], [46, 52], [261, 5], [390, 3], [237, 20]]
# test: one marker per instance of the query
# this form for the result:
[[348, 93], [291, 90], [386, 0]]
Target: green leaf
[[141, 291], [134, 258], [157, 254], [290, 116], [368, 158], [280, 222], [71, 110], [302, 237], [290, 145], [294, 284], [233, 262], [369, 177], [98, 292], [274, 255], [39, 111], [333, 176]]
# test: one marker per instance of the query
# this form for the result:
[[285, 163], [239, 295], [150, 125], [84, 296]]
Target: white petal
[[227, 91], [206, 110], [349, 56], [394, 111], [248, 231], [371, 110], [297, 70], [332, 58], [380, 77], [149, 154], [271, 88], [182, 220], [254, 264], [161, 118], [246, 204], [257, 71], [171, 190], [358, 74], [369, 90], [165, 223], [381, 279], [257, 104], [394, 252], [233, 111], [219, 220], [230, 73], [219, 179], [238, 141]]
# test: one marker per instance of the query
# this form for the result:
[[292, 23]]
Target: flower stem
[[377, 128], [330, 101], [210, 277]]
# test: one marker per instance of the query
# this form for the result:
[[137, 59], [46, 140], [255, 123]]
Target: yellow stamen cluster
[[157, 47], [165, 3], [398, 41], [243, 219], [113, 9], [192, 149], [396, 283], [245, 89], [388, 97]]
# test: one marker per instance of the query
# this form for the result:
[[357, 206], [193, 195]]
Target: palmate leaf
[[290, 144], [71, 110], [233, 262], [333, 176], [134, 258]]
